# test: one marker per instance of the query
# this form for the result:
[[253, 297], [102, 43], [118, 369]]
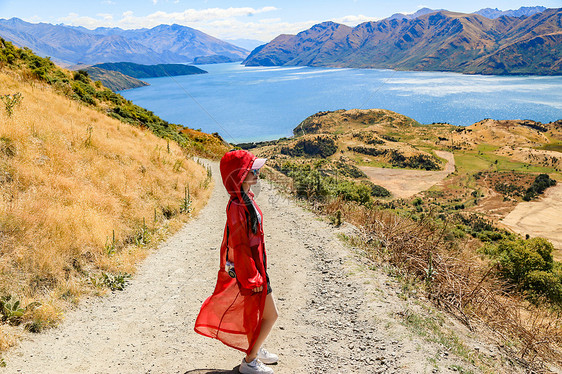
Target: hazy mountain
[[443, 41], [523, 11], [486, 12], [421, 12], [161, 44]]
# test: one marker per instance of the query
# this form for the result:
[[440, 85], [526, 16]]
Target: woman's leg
[[269, 317]]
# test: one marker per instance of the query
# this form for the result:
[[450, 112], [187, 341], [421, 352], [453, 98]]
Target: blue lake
[[262, 103]]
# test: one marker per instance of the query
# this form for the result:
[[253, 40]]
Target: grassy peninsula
[[434, 201]]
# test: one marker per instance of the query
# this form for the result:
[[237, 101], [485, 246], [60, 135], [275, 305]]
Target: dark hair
[[253, 219]]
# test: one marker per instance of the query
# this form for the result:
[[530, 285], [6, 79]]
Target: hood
[[234, 166]]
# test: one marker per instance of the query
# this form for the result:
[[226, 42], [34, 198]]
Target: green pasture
[[483, 159], [551, 147]]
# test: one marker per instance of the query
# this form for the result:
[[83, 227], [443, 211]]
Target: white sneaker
[[254, 367], [267, 357]]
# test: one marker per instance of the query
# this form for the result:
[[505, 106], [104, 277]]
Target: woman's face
[[251, 179]]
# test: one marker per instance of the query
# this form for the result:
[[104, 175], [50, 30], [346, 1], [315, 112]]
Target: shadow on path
[[213, 371]]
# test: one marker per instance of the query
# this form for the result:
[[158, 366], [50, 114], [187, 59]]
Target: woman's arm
[[240, 252]]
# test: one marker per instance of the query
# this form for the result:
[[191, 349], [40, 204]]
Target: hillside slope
[[82, 195], [114, 80], [150, 71], [380, 155], [442, 41]]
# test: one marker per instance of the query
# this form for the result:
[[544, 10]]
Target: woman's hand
[[257, 289]]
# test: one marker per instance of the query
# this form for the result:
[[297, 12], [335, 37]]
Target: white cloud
[[232, 29], [154, 2], [129, 20], [218, 22], [354, 20], [106, 16], [88, 22]]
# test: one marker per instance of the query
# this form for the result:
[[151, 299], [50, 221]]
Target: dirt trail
[[540, 218], [336, 315], [405, 183]]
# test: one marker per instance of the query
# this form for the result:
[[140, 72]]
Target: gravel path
[[335, 315]]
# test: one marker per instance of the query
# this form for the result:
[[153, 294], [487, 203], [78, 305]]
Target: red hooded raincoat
[[233, 313]]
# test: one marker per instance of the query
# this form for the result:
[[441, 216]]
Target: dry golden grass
[[70, 177], [459, 281]]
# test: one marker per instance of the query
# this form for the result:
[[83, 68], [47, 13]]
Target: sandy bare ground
[[336, 315], [405, 183], [539, 218]]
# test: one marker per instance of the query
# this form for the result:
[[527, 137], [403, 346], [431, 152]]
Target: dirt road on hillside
[[335, 315], [405, 183]]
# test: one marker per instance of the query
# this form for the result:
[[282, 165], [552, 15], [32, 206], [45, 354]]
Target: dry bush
[[460, 282], [70, 177]]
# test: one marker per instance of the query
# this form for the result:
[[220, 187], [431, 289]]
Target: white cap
[[258, 163]]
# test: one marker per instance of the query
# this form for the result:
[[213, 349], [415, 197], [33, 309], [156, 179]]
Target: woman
[[241, 311]]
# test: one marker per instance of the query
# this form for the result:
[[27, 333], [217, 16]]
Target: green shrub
[[13, 311], [528, 265], [82, 76], [376, 190], [543, 283], [417, 201], [316, 147], [475, 223], [349, 170], [84, 92], [312, 183], [370, 151], [518, 258], [397, 159], [490, 236], [308, 183], [350, 191], [389, 138], [541, 183]]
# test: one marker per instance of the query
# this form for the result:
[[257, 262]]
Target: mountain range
[[439, 41], [524, 11], [70, 45]]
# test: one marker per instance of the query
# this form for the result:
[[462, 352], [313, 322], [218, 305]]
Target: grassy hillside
[[78, 86], [88, 182], [353, 146], [150, 71], [114, 80], [445, 240]]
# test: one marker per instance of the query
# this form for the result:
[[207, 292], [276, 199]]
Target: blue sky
[[251, 19]]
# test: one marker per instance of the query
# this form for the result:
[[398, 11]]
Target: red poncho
[[233, 313]]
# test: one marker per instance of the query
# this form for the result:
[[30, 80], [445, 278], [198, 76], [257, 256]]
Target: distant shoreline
[[265, 103]]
